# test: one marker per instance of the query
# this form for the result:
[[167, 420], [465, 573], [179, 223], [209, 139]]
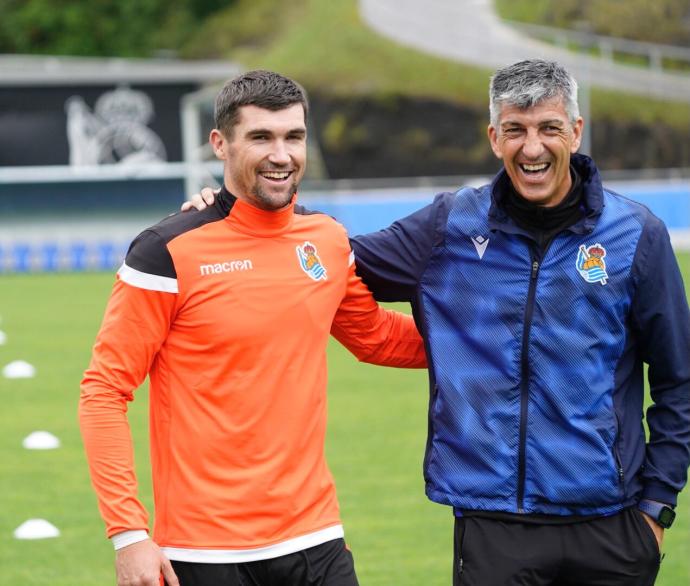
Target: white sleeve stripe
[[351, 259], [120, 540], [146, 280]]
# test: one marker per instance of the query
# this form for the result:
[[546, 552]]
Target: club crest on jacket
[[590, 263], [310, 262]]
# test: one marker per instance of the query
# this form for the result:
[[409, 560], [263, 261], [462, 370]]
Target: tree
[[124, 28]]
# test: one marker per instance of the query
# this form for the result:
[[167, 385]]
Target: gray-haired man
[[540, 296]]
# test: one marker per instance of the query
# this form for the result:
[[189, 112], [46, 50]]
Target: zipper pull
[[535, 269]]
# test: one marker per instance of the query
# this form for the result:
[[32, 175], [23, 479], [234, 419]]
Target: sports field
[[376, 443]]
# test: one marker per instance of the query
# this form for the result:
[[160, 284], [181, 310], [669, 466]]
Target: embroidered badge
[[310, 262], [590, 263]]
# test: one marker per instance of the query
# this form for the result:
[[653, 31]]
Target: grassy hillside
[[325, 45], [375, 446]]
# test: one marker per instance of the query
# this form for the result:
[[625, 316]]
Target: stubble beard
[[268, 202]]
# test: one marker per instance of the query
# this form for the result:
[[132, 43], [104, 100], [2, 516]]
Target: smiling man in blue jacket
[[540, 297]]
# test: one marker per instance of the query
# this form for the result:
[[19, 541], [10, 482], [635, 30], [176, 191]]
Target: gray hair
[[528, 83], [264, 89]]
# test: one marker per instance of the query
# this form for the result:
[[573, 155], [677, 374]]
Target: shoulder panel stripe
[[146, 280]]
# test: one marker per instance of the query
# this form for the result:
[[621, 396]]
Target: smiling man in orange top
[[228, 310]]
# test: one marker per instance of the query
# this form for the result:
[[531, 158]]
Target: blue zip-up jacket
[[536, 359]]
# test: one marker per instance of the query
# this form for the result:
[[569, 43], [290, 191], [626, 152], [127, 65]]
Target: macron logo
[[226, 267], [480, 244]]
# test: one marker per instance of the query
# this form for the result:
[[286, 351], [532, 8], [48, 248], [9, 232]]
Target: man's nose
[[279, 153], [533, 147]]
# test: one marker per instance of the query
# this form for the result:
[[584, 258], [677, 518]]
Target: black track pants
[[620, 550], [328, 564]]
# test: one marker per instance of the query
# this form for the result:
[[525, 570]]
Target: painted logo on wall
[[115, 132]]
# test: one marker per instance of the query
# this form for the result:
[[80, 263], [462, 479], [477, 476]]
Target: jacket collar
[[254, 221], [592, 198]]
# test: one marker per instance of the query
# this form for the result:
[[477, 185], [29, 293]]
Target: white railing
[[655, 54]]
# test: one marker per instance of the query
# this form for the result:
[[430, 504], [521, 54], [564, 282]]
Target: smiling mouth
[[276, 176], [534, 168]]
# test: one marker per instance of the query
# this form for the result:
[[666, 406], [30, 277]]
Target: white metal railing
[[101, 173], [210, 170], [655, 53]]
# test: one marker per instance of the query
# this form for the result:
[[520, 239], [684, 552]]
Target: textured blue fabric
[[577, 333], [554, 349]]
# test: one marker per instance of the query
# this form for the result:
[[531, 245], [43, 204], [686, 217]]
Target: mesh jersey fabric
[[225, 311]]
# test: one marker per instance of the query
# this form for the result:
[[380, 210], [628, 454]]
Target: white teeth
[[276, 175], [539, 167]]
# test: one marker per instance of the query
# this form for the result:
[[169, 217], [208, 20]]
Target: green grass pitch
[[377, 430]]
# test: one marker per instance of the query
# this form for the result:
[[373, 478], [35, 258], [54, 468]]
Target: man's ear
[[493, 140], [217, 141]]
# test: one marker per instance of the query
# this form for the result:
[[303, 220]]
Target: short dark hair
[[265, 89]]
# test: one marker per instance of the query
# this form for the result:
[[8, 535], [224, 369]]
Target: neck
[[536, 217], [248, 218]]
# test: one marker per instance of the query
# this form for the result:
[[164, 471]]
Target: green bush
[[124, 28]]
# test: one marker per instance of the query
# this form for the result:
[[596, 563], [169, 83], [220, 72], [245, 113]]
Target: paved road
[[469, 31]]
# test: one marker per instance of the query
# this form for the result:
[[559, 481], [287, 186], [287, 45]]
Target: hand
[[199, 201], [656, 528], [141, 564]]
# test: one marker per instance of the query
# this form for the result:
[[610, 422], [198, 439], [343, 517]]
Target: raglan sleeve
[[136, 322], [374, 334], [392, 261], [662, 323]]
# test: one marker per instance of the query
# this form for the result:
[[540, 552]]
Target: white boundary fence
[[98, 240], [656, 54]]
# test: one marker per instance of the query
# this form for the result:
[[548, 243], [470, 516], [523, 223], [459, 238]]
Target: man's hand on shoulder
[[201, 200], [141, 564]]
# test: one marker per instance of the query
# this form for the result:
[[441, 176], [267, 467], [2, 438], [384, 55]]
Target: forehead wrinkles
[[537, 115], [274, 131], [281, 122], [558, 122]]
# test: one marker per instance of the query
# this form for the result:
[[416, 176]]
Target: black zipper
[[433, 395], [524, 385], [616, 454]]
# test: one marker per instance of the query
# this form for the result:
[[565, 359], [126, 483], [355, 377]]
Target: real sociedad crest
[[310, 262], [590, 263], [115, 132]]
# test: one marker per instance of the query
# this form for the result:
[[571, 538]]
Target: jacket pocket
[[460, 558], [646, 530], [615, 449]]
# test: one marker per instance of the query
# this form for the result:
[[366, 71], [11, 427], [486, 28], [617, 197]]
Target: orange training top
[[229, 311]]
